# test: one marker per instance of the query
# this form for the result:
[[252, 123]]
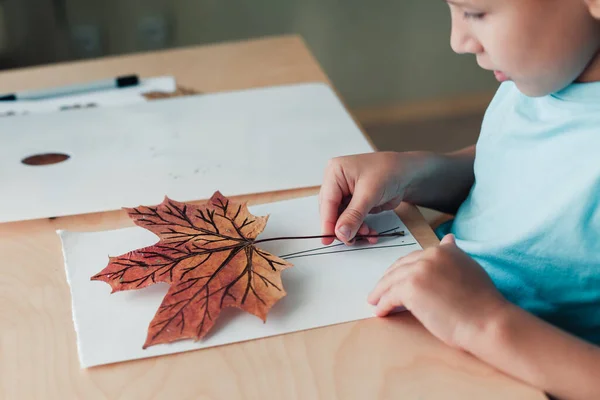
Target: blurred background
[[391, 61]]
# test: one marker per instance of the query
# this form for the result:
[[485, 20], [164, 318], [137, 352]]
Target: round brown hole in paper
[[45, 159]]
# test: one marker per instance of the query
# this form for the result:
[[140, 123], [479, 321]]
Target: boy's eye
[[471, 15]]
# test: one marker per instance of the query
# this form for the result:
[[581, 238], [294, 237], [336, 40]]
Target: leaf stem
[[357, 237]]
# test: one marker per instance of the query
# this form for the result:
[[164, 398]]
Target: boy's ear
[[594, 7]]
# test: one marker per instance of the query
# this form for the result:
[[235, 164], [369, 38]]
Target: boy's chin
[[533, 90], [542, 88]]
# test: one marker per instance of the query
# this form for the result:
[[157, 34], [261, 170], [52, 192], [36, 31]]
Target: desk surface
[[377, 358]]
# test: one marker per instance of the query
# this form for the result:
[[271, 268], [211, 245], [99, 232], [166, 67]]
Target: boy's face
[[540, 45]]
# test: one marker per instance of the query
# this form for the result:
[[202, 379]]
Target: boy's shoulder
[[578, 101]]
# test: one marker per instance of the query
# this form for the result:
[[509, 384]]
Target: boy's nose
[[462, 42]]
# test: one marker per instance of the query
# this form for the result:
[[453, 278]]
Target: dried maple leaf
[[208, 256]]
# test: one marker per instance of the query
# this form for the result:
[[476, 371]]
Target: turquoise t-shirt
[[532, 218]]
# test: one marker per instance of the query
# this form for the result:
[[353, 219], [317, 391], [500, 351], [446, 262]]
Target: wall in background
[[32, 33], [377, 53]]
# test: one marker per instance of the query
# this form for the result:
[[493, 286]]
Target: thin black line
[[310, 251], [390, 230], [357, 237], [330, 246], [344, 251]]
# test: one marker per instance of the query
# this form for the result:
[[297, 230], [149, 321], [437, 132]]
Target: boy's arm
[[540, 354], [456, 300], [445, 181]]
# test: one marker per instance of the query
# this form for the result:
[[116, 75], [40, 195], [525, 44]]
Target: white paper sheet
[[103, 98], [241, 142], [326, 285]]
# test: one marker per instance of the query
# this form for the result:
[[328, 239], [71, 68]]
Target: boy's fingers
[[353, 216], [384, 284], [404, 261], [363, 230], [389, 301], [448, 239], [395, 276], [372, 240], [330, 198]]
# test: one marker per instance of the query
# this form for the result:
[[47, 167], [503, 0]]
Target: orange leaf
[[207, 255]]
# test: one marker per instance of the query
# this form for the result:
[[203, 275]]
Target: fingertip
[[353, 216], [386, 303], [379, 312], [364, 229], [344, 233], [448, 239], [329, 201], [373, 240], [327, 231], [375, 296], [371, 299], [326, 241]]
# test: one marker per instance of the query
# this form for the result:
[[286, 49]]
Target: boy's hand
[[444, 288], [355, 186]]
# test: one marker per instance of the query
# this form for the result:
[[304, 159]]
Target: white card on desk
[[326, 285], [186, 148]]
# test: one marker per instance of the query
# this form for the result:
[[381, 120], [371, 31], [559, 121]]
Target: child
[[516, 278]]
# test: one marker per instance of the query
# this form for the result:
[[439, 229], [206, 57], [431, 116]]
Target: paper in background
[[247, 141], [100, 98]]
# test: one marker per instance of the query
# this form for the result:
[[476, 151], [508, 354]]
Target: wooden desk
[[377, 358]]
